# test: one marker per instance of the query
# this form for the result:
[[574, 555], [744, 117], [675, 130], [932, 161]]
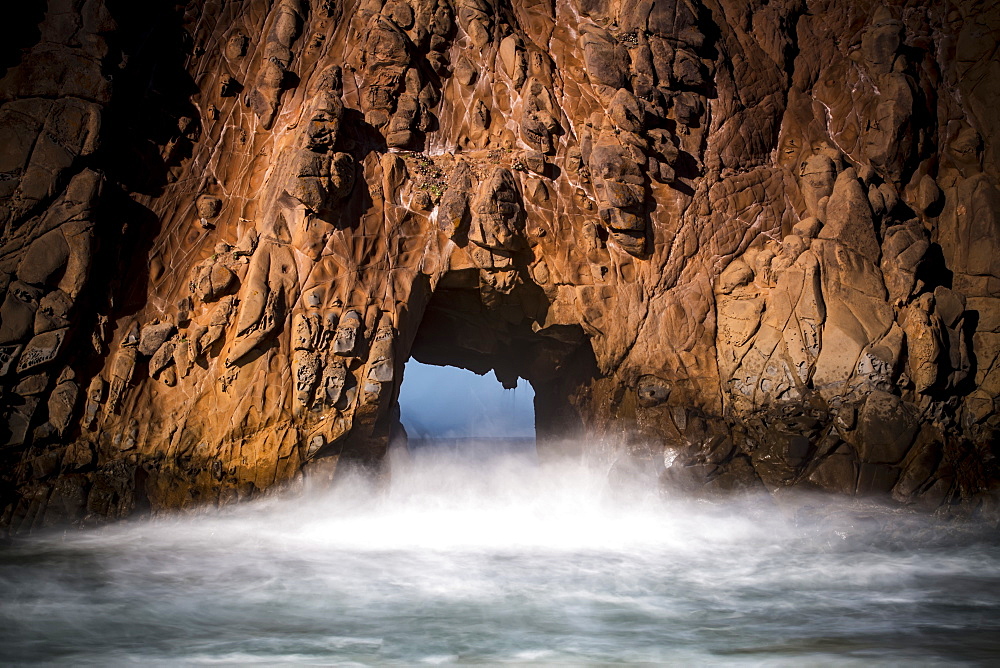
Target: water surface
[[487, 557]]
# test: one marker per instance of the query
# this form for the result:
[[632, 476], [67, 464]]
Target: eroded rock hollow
[[763, 236]]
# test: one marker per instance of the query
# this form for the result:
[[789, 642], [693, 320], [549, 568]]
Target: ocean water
[[474, 554]]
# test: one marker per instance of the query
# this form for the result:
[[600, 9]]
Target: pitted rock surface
[[757, 240]]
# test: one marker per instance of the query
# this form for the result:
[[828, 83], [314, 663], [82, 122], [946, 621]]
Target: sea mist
[[474, 553]]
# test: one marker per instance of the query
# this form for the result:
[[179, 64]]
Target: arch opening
[[468, 326], [453, 407]]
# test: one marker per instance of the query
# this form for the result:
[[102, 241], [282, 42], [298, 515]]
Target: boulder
[[153, 335]]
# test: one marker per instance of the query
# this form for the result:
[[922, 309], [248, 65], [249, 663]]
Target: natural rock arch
[[775, 228]]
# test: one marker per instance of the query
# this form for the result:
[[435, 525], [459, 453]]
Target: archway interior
[[500, 337]]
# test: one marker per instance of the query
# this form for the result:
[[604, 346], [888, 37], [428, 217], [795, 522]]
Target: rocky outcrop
[[760, 239]]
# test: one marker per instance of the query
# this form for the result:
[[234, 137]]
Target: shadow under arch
[[458, 329]]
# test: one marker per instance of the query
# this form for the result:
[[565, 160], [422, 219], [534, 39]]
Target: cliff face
[[763, 235]]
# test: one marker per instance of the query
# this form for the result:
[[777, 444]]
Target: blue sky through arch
[[448, 402]]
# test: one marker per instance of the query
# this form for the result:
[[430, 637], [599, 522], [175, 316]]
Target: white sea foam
[[468, 556]]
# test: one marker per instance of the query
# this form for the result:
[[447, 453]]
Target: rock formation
[[761, 236]]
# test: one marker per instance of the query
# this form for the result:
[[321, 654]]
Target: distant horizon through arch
[[445, 402]]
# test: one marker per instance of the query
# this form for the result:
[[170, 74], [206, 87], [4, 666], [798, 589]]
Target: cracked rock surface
[[757, 240]]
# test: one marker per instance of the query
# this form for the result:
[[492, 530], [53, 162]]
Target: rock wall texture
[[762, 236]]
